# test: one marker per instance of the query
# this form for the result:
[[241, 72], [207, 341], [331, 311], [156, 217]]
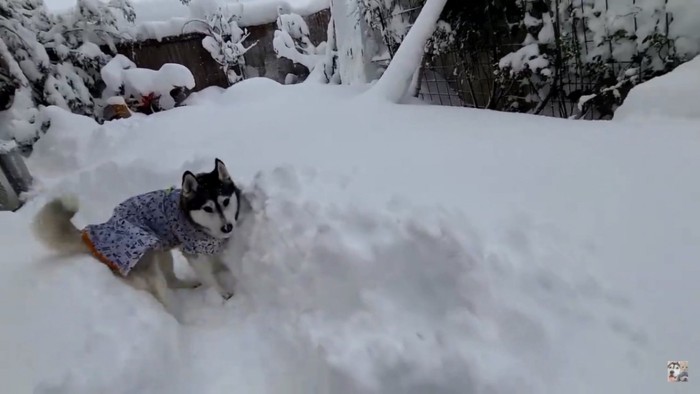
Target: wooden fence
[[187, 50]]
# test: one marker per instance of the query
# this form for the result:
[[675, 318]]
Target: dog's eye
[[208, 209], [226, 201]]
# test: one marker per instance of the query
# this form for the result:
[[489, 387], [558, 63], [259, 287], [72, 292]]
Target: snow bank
[[467, 251], [685, 28], [71, 142], [673, 95]]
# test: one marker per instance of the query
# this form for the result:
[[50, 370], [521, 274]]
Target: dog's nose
[[227, 228]]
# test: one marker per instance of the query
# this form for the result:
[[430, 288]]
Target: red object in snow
[[148, 104]]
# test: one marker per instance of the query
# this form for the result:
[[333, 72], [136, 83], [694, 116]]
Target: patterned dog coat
[[151, 221]]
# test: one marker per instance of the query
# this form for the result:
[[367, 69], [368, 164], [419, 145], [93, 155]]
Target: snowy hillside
[[395, 249]]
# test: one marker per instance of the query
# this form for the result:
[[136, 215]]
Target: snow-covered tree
[[400, 75], [353, 41], [327, 71], [389, 19], [54, 60]]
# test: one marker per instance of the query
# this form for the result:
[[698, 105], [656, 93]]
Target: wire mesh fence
[[587, 76]]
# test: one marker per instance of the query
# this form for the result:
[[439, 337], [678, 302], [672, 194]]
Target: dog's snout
[[227, 228]]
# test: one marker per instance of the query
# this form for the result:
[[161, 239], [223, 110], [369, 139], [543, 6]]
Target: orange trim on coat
[[99, 256]]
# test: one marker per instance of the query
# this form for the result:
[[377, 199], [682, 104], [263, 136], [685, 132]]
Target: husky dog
[[674, 369], [136, 242]]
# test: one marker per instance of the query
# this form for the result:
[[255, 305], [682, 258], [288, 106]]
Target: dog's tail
[[52, 226]]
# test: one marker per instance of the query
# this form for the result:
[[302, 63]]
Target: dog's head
[[674, 369], [211, 200]]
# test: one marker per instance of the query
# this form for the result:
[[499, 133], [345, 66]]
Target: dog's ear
[[189, 183], [221, 169]]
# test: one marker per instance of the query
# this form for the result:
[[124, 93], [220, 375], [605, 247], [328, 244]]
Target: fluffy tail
[[52, 226]]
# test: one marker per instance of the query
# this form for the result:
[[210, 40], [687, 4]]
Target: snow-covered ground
[[395, 249]]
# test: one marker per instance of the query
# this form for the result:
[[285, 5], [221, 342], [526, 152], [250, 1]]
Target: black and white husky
[[137, 241]]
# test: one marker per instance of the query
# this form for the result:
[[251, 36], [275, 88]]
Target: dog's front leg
[[165, 259], [223, 274], [206, 269], [157, 281]]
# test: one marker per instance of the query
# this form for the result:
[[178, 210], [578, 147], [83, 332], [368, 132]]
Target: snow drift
[[394, 249], [673, 95]]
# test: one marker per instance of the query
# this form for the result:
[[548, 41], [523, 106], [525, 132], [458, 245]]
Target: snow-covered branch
[[397, 78]]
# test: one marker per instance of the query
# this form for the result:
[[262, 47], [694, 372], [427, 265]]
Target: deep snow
[[672, 95], [395, 249]]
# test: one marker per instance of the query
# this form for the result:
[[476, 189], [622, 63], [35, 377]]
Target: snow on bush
[[527, 57], [224, 38], [122, 77], [327, 71], [292, 41], [610, 45], [54, 59]]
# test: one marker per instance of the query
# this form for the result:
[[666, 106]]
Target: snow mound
[[685, 28], [391, 249], [673, 95], [205, 96], [347, 296], [71, 142]]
